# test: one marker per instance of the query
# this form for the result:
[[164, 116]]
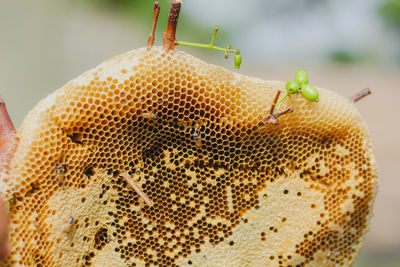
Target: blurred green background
[[345, 46]]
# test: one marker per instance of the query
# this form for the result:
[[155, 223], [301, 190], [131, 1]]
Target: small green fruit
[[301, 77], [238, 61], [292, 87], [309, 92]]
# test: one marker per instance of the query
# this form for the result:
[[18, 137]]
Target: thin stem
[[271, 110], [272, 117], [211, 45], [169, 34], [207, 46], [214, 35], [289, 110], [150, 41], [137, 188], [280, 100], [363, 93]]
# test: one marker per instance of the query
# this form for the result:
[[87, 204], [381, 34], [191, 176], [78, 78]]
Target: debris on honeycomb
[[226, 188]]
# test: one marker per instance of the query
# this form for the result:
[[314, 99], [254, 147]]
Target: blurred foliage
[[390, 10], [386, 259], [140, 12], [343, 56], [135, 9]]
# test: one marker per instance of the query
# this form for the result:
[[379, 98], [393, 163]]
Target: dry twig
[[169, 34], [150, 41], [272, 117], [137, 188], [363, 93]]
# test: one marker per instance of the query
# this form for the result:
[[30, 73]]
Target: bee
[[60, 171], [197, 138], [149, 115], [68, 226]]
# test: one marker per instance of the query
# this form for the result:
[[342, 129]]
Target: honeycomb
[[226, 188]]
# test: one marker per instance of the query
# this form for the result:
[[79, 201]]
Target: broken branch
[[363, 93], [271, 110], [169, 34], [272, 117], [289, 110], [150, 41], [137, 188]]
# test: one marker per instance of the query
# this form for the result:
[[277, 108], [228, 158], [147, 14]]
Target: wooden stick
[[271, 110], [273, 117], [289, 110], [169, 34], [150, 41], [363, 93], [137, 188]]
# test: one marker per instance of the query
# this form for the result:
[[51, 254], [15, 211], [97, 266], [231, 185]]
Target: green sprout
[[309, 92], [292, 87], [301, 77], [300, 84], [237, 59]]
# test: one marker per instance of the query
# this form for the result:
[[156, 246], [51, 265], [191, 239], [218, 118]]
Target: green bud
[[238, 61], [309, 92], [292, 87], [301, 77]]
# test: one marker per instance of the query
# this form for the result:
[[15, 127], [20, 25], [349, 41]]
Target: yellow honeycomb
[[226, 189]]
